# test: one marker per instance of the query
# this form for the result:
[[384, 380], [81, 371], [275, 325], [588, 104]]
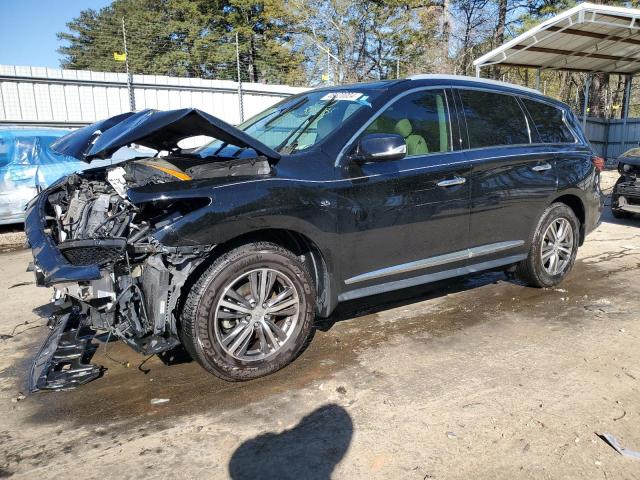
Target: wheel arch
[[575, 203], [312, 256]]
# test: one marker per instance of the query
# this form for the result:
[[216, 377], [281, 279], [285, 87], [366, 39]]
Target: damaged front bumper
[[62, 362], [626, 195], [97, 288]]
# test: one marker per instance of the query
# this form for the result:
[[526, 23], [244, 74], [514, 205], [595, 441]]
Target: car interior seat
[[416, 144]]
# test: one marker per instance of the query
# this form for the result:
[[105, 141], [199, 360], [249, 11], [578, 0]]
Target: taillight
[[598, 162]]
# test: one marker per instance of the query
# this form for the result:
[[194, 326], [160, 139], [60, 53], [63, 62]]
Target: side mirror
[[379, 147]]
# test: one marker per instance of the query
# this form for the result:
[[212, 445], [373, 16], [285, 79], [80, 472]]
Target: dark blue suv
[[233, 249]]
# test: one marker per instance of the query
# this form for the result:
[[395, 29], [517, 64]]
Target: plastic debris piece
[[613, 441], [159, 401]]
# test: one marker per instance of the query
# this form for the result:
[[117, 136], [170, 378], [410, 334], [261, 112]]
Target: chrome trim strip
[[437, 260], [428, 278]]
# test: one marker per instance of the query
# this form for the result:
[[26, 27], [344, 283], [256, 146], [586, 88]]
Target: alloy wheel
[[256, 314], [557, 246]]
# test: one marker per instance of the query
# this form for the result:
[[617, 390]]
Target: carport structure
[[587, 38]]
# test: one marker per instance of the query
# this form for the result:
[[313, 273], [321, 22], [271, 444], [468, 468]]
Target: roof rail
[[464, 78]]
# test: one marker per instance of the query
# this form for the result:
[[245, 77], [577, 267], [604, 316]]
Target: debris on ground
[[18, 398], [613, 442], [159, 401]]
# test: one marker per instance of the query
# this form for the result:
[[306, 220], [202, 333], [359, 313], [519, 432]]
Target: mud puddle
[[124, 395]]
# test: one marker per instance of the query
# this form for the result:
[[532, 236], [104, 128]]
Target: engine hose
[[123, 226], [137, 236]]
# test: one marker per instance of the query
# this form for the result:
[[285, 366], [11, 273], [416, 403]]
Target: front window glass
[[549, 122], [493, 119], [634, 152], [421, 118], [298, 123]]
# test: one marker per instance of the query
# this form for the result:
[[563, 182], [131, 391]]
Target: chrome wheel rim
[[557, 246], [256, 314]]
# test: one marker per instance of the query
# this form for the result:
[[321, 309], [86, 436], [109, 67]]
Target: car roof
[[449, 80]]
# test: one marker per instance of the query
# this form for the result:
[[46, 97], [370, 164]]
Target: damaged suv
[[233, 249]]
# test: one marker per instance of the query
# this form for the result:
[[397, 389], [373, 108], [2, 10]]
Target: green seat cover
[[416, 144]]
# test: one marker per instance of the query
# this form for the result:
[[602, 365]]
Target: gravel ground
[[479, 377]]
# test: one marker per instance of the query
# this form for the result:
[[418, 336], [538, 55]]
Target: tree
[[192, 38]]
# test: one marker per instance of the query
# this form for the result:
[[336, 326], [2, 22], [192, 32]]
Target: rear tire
[[250, 313], [554, 247]]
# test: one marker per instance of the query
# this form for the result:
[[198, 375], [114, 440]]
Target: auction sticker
[[348, 96]]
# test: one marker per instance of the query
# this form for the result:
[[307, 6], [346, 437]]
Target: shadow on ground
[[310, 450]]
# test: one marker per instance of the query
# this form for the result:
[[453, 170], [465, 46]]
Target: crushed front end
[[626, 192], [109, 273]]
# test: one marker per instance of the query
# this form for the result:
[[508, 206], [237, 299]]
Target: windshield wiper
[[302, 128], [293, 106]]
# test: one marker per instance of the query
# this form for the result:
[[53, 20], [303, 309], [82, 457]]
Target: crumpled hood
[[160, 130]]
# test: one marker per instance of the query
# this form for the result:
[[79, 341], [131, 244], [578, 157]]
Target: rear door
[[512, 176]]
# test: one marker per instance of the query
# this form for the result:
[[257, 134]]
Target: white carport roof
[[587, 38]]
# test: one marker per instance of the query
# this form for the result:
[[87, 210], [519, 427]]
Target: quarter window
[[549, 122], [493, 119], [421, 118]]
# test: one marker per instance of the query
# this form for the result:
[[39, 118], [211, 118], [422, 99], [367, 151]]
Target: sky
[[28, 29]]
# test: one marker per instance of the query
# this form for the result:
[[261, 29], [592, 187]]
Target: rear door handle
[[542, 167], [452, 181]]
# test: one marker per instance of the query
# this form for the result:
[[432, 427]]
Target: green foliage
[[309, 42], [191, 38]]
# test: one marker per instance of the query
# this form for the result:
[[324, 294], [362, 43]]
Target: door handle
[[452, 181], [542, 167]]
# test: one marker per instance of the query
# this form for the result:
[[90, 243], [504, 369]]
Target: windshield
[[634, 152], [297, 123]]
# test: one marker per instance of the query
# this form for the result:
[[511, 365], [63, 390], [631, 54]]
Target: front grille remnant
[[94, 251]]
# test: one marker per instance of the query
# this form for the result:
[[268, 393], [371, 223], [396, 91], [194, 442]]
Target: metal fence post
[[585, 106], [132, 98], [625, 110], [240, 102]]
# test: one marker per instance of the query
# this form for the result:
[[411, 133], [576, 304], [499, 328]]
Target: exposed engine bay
[[95, 235], [93, 222]]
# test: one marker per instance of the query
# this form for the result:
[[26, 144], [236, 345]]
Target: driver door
[[410, 217]]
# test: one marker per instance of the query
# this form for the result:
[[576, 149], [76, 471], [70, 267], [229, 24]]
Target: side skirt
[[428, 278]]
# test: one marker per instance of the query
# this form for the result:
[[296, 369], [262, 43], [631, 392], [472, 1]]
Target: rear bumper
[[51, 266]]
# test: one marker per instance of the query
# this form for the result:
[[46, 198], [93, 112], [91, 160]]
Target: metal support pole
[[585, 106], [625, 110], [240, 103], [132, 98], [397, 68], [328, 68], [478, 71], [538, 79]]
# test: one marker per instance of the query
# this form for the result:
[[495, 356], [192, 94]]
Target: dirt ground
[[474, 378]]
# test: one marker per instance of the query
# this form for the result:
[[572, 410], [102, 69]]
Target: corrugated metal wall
[[55, 97], [606, 136]]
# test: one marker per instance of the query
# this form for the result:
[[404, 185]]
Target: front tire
[[553, 248], [250, 313]]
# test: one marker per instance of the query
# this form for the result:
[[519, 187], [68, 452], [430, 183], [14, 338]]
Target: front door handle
[[542, 167], [452, 181]]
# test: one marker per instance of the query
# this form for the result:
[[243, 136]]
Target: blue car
[[27, 165]]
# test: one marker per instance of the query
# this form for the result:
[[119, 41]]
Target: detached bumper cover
[[61, 362], [47, 258]]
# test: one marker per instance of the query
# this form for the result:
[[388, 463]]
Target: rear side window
[[549, 122], [493, 119]]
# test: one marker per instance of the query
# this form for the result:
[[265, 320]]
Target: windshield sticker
[[347, 96]]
